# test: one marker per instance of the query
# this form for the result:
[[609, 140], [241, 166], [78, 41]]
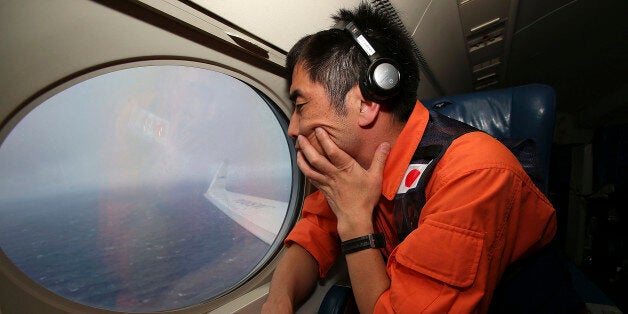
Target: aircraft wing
[[261, 216]]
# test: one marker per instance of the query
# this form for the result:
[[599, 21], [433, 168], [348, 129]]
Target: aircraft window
[[149, 188]]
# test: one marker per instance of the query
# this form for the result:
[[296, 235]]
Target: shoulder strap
[[408, 203]]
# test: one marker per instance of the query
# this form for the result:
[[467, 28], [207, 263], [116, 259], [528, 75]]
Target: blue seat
[[522, 112]]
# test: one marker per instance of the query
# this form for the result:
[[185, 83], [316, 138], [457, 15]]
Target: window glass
[[145, 189]]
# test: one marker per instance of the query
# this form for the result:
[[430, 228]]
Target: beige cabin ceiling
[[579, 47]]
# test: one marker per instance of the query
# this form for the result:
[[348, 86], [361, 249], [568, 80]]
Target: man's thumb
[[381, 154]]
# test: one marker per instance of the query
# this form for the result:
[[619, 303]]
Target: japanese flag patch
[[411, 177]]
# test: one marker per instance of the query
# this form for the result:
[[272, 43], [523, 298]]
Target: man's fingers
[[337, 156], [307, 169], [319, 162]]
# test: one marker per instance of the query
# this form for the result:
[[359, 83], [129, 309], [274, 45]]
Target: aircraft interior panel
[[446, 58]]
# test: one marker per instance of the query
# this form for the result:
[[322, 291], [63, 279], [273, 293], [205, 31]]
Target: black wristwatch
[[369, 241]]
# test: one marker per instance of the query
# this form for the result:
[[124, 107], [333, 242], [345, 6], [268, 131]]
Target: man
[[482, 211]]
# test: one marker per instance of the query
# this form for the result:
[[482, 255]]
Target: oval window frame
[[259, 275]]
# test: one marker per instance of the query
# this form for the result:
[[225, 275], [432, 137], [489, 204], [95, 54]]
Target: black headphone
[[382, 79]]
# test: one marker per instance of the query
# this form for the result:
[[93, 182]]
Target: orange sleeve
[[475, 222], [316, 232]]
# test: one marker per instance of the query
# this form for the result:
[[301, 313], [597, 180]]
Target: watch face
[[379, 240]]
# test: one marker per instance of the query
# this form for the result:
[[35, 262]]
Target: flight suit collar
[[402, 150]]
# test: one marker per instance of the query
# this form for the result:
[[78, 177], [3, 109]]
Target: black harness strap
[[439, 133]]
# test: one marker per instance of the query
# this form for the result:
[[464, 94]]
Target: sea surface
[[141, 249]]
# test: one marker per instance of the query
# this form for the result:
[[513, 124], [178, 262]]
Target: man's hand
[[351, 191]]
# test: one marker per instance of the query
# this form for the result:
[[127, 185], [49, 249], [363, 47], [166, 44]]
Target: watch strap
[[369, 241]]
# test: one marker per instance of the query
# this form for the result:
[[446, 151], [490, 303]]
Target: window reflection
[[144, 189]]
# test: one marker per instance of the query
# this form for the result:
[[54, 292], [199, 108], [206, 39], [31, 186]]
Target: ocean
[[141, 249]]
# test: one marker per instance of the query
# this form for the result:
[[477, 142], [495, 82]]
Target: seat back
[[522, 112]]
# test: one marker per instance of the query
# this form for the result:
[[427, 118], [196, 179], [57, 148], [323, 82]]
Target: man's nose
[[293, 127]]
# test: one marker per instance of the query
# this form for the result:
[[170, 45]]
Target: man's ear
[[368, 112]]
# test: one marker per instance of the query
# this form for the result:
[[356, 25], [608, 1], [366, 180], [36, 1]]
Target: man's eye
[[297, 107]]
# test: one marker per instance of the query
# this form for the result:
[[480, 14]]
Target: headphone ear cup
[[365, 88], [382, 80]]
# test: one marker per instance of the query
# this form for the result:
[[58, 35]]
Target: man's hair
[[333, 58]]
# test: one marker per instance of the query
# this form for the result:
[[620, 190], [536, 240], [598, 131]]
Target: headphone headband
[[361, 40]]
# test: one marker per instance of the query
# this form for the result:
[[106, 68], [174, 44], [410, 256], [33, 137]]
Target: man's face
[[313, 109]]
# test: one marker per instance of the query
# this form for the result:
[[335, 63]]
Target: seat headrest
[[522, 112]]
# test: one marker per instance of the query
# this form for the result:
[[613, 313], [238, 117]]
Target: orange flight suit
[[482, 213]]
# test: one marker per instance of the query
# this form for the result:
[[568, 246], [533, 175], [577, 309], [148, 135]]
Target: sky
[[152, 125]]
